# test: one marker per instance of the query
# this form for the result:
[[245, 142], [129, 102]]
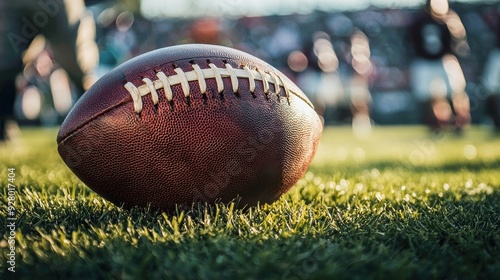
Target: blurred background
[[361, 62]]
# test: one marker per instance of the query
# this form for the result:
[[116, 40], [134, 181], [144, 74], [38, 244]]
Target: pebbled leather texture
[[205, 148]]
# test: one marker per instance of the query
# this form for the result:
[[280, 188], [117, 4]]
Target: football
[[188, 124]]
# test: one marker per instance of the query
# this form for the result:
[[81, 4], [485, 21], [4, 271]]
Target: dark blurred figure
[[69, 30], [491, 75], [436, 78]]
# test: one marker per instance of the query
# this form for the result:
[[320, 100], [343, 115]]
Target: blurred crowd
[[436, 64]]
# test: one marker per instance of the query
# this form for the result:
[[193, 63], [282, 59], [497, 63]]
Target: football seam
[[200, 75], [94, 117]]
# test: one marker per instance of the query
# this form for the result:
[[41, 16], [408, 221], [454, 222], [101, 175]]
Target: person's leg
[[491, 82], [461, 109], [360, 96], [429, 89], [16, 33], [493, 110], [434, 113], [456, 85], [71, 34]]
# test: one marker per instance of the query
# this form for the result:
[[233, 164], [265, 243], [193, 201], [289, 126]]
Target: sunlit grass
[[398, 204]]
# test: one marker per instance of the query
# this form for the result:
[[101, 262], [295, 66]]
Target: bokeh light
[[297, 61], [31, 103]]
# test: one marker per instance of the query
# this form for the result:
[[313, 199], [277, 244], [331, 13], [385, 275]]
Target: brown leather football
[[191, 123]]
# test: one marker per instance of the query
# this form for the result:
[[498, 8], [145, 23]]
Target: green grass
[[398, 204]]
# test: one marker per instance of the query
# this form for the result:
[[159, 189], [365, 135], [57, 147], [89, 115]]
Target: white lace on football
[[201, 75]]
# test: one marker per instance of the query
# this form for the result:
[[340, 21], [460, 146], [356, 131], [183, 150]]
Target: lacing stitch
[[184, 81], [136, 96], [276, 84], [201, 78], [251, 78], [265, 83], [166, 85], [152, 89], [234, 78], [218, 77], [285, 86], [200, 75]]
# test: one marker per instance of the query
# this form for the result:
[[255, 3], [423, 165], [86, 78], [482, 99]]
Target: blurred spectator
[[360, 96], [70, 31], [122, 39], [491, 75], [340, 69], [318, 75], [206, 31], [436, 77]]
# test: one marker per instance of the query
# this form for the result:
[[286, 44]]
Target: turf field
[[398, 204]]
